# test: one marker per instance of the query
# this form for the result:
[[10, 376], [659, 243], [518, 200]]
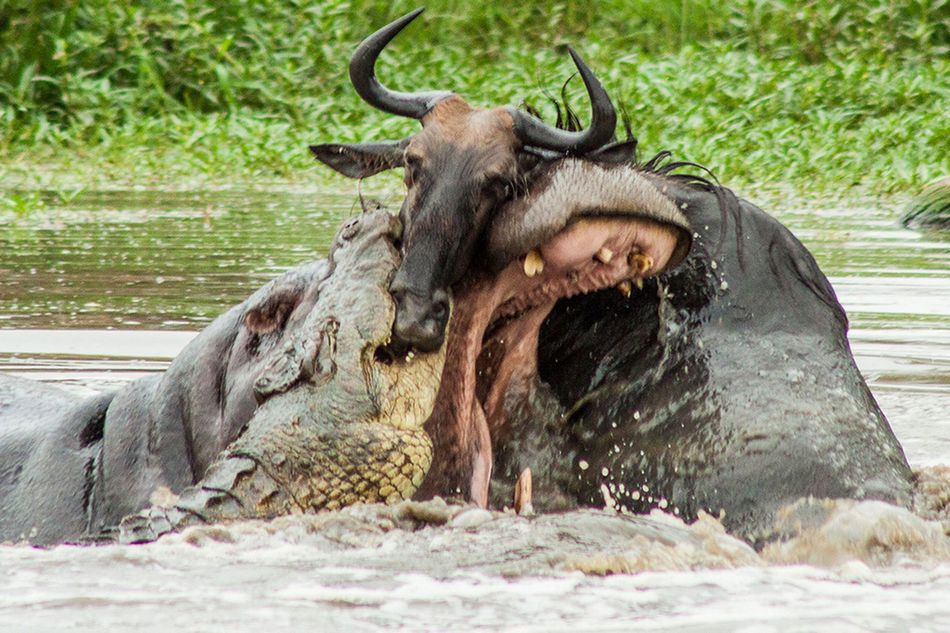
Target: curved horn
[[603, 121], [363, 75]]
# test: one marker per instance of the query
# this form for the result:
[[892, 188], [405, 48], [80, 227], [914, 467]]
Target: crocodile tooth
[[533, 264], [604, 255]]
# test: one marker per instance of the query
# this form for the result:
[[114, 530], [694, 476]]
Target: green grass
[[821, 96]]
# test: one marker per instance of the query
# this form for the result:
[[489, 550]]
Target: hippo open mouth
[[580, 228]]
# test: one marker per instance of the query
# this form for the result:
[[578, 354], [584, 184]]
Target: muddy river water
[[101, 287]]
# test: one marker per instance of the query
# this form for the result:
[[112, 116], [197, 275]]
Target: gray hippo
[[335, 423]]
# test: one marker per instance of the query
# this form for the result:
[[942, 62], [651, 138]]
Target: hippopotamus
[[296, 382], [724, 384], [297, 399]]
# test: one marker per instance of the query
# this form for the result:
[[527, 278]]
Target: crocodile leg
[[293, 472]]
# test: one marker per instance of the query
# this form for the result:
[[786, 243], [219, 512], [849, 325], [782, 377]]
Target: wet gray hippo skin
[[76, 466], [727, 385], [49, 440], [165, 430], [71, 467]]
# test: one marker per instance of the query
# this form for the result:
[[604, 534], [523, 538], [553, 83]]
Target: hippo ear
[[359, 160], [271, 313]]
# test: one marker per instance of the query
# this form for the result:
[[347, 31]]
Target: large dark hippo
[[736, 390], [337, 425], [726, 384]]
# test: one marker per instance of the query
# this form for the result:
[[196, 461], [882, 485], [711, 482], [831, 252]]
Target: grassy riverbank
[[806, 95]]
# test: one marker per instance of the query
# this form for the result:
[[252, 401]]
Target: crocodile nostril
[[350, 229]]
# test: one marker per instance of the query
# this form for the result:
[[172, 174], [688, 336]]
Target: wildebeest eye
[[503, 188]]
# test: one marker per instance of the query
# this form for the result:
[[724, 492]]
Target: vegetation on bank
[[931, 207], [821, 96]]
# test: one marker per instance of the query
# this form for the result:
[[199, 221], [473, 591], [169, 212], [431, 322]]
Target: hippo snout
[[420, 320]]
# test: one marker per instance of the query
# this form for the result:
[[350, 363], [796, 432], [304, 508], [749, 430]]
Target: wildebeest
[[460, 166]]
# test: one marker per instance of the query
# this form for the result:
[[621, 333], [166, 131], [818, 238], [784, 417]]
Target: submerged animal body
[[282, 405]]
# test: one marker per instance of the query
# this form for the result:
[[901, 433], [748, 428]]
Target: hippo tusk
[[533, 263], [604, 255], [523, 493]]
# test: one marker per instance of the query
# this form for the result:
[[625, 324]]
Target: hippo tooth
[[640, 263], [604, 255], [639, 283], [533, 264], [625, 288], [523, 493]]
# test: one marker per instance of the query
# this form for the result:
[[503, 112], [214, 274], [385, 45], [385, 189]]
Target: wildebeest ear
[[617, 153], [359, 160]]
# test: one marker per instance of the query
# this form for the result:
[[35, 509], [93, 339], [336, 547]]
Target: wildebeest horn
[[414, 105], [603, 121]]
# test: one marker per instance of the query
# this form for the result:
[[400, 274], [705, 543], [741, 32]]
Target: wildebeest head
[[462, 164]]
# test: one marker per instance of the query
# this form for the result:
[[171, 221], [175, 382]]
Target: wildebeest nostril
[[439, 307], [437, 313], [439, 310], [398, 290], [425, 336]]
